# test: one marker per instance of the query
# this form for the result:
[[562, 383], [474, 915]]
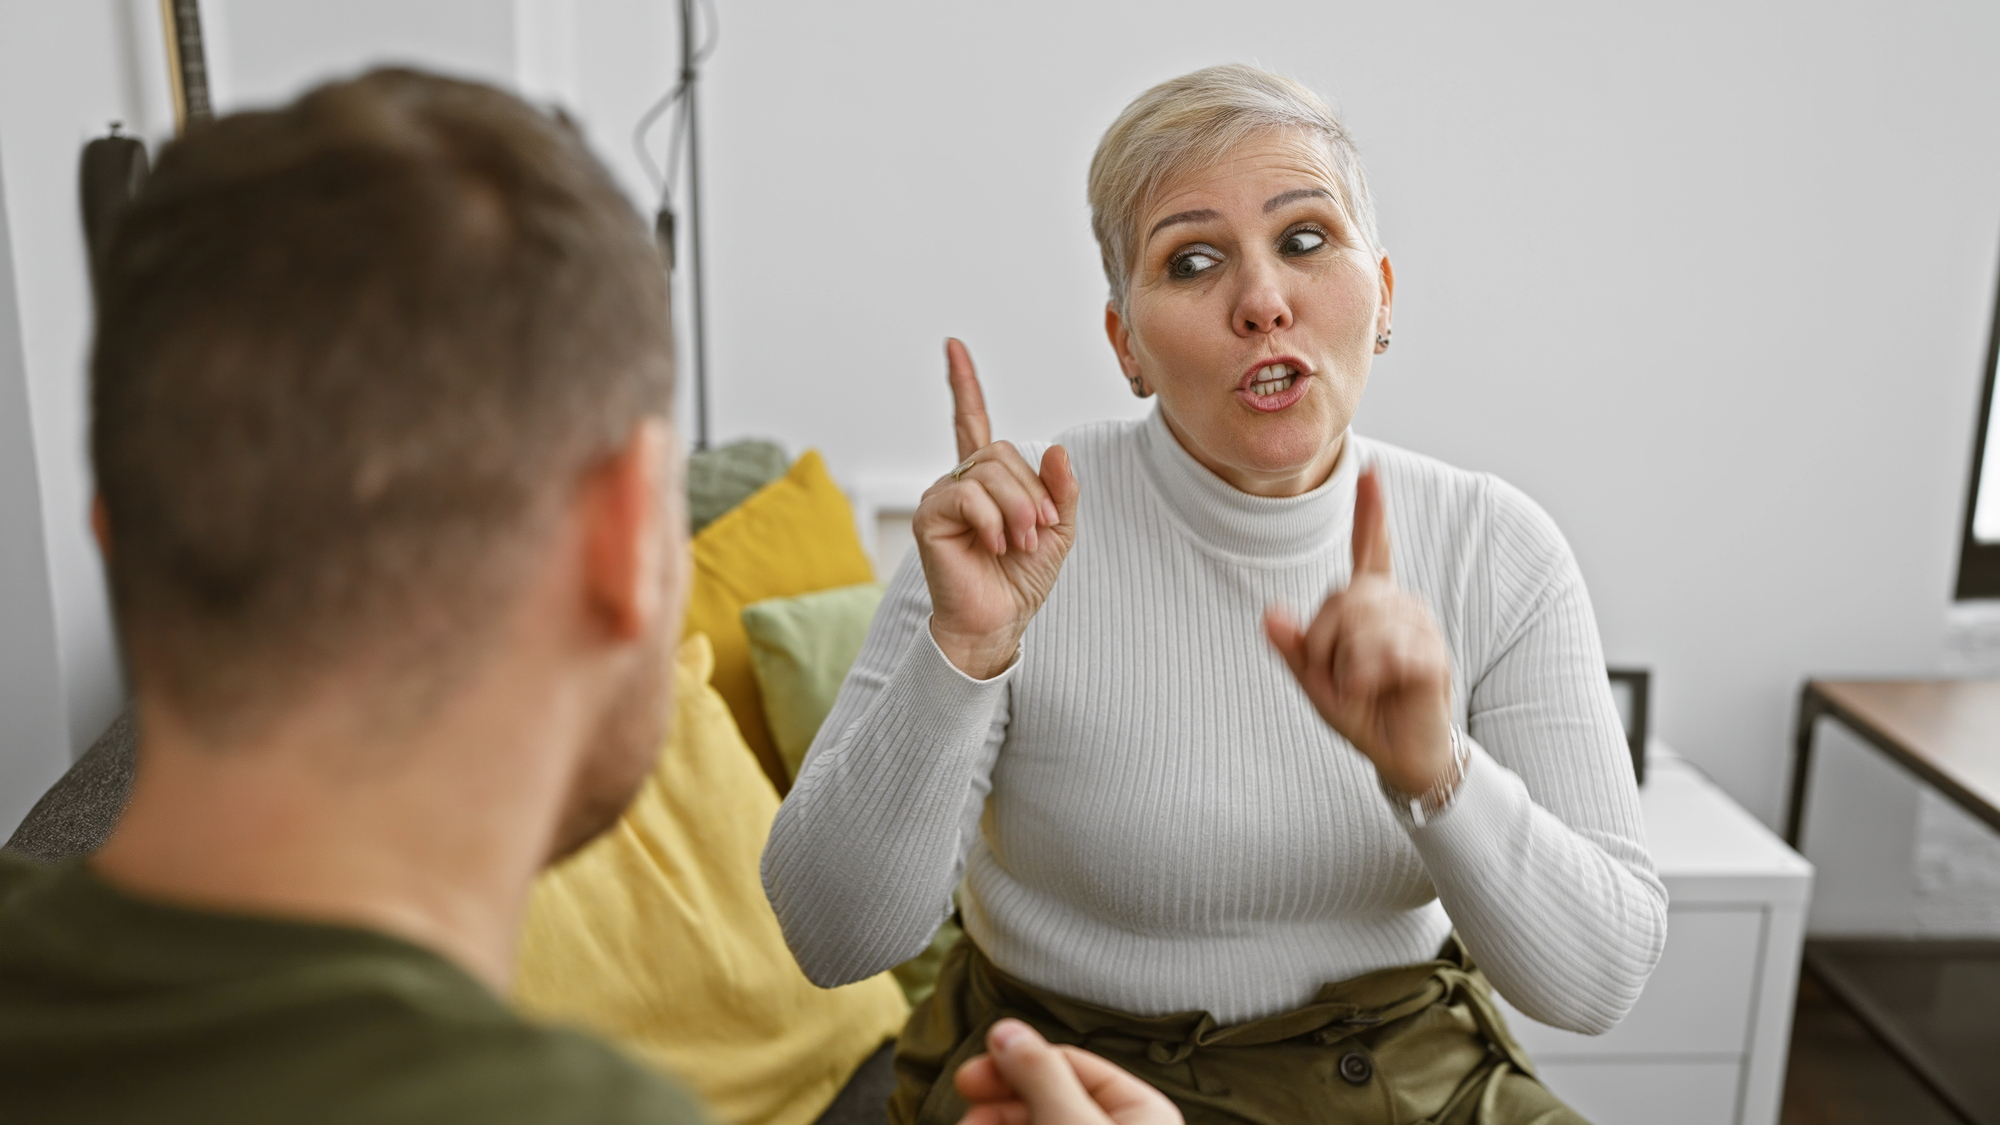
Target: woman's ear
[[1386, 307], [1121, 343]]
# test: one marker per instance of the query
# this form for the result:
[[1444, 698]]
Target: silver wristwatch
[[1417, 811]]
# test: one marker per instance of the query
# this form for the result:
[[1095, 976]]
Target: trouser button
[[1356, 1068]]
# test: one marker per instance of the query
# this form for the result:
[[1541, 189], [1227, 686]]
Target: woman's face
[[1252, 312]]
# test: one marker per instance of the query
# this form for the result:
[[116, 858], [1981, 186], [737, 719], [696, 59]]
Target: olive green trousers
[[1414, 1044]]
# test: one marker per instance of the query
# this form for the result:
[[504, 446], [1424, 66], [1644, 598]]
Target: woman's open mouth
[[1273, 384]]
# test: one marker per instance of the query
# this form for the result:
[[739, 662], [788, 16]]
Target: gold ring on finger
[[963, 466]]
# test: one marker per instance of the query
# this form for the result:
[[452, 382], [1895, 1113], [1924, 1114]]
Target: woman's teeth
[[1275, 378]]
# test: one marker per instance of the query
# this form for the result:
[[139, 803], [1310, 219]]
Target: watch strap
[[1418, 810]]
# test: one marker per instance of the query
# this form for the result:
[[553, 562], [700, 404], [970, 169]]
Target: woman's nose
[[1261, 306]]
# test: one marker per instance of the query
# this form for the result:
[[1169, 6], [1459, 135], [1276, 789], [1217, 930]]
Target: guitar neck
[[187, 62]]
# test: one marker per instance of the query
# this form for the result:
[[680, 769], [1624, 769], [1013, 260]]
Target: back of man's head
[[350, 356]]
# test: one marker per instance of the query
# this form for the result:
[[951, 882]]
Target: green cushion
[[918, 976], [801, 648], [719, 479]]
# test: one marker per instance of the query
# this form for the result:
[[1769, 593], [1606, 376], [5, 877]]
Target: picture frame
[[1631, 690]]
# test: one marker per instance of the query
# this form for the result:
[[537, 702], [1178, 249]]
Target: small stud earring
[[1382, 339], [1138, 386]]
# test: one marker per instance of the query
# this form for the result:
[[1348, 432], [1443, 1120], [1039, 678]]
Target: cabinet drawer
[[1697, 1003], [1647, 1093]]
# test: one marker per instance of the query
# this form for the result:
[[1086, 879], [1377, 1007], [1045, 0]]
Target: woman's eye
[[1302, 242], [1193, 263]]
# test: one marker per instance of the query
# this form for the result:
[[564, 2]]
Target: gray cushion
[[719, 479], [78, 813]]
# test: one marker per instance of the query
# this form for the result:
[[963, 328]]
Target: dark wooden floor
[[1840, 1075]]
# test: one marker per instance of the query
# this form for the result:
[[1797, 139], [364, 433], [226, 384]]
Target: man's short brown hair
[[347, 351]]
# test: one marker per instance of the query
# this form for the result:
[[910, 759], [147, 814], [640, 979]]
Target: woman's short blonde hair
[[1193, 121]]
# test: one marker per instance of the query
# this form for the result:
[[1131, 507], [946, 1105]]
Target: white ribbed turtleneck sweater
[[1150, 816]]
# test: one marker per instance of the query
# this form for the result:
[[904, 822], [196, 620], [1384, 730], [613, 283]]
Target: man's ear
[[1121, 341], [100, 525], [627, 508]]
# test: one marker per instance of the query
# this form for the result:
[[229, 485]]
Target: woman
[[1256, 870]]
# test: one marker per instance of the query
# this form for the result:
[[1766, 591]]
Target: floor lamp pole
[[698, 275]]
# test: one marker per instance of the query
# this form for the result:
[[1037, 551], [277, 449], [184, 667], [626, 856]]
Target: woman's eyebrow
[[1185, 217], [1279, 200], [1270, 205]]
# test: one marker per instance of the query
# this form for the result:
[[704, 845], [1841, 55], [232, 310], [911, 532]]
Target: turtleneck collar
[[1238, 523]]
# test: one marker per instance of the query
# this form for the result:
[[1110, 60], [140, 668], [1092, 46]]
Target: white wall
[[66, 71], [33, 740], [1709, 280]]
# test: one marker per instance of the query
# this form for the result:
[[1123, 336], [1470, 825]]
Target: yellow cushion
[[658, 936], [793, 536]]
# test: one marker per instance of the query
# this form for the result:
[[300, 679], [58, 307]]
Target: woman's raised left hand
[[1372, 661]]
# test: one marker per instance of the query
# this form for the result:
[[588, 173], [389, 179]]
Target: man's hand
[[1023, 1080], [1372, 661], [993, 537]]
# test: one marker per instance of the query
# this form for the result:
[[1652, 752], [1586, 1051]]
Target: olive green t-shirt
[[116, 1009]]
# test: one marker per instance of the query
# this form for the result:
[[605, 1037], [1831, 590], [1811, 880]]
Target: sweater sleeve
[[1541, 858], [872, 839]]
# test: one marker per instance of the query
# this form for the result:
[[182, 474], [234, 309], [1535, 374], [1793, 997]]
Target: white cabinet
[[1706, 1044]]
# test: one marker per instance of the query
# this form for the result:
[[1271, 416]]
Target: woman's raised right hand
[[993, 538]]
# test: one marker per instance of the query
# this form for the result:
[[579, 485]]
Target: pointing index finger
[[1371, 528], [968, 402]]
